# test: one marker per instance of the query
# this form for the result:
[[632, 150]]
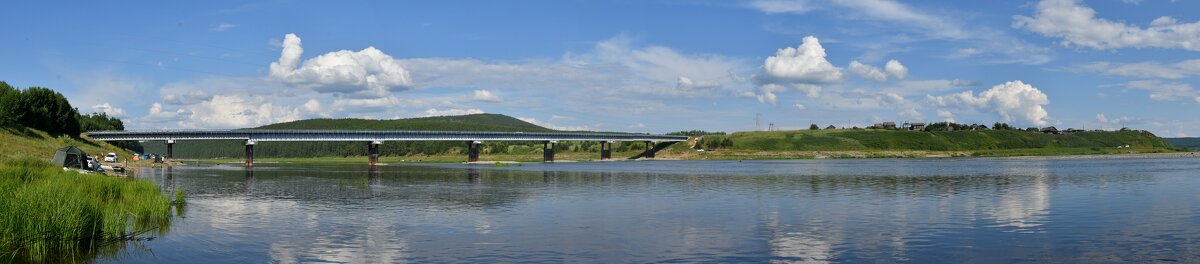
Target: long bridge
[[374, 138]]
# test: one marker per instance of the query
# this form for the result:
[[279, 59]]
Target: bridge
[[374, 138]]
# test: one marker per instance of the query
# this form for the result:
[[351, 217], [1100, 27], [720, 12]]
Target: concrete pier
[[373, 152], [249, 153], [473, 150], [605, 150], [649, 150], [170, 149], [548, 151]]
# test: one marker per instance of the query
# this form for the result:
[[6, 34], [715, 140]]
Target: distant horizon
[[657, 67]]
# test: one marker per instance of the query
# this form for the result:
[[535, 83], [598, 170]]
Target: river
[[957, 210]]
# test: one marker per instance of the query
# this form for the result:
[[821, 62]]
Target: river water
[[803, 211]]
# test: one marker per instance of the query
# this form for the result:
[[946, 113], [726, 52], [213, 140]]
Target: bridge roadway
[[374, 138]]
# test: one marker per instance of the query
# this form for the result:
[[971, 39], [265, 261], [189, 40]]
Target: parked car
[[94, 165], [111, 157]]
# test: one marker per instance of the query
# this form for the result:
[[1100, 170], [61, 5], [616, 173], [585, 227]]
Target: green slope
[[870, 139], [474, 122]]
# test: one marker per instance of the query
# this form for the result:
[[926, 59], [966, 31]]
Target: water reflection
[[956, 211]]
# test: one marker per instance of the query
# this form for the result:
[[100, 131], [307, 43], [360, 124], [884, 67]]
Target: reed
[[48, 214]]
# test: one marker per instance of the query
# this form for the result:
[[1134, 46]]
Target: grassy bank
[[48, 214], [14, 140]]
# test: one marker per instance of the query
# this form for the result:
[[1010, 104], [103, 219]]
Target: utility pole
[[756, 127]]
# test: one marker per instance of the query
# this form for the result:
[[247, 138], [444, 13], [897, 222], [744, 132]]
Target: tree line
[[49, 111]]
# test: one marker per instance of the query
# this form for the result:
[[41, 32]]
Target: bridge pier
[[249, 153], [548, 151], [649, 150], [373, 152], [605, 150], [473, 150], [170, 149]]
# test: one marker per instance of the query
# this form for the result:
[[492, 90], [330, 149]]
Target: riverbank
[[48, 214]]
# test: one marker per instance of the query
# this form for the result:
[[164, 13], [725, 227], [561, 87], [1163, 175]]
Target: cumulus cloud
[[233, 111], [803, 64], [109, 110], [366, 72], [1077, 25], [801, 107], [452, 112], [896, 70], [867, 71], [767, 93], [1146, 69], [946, 115], [1162, 91], [1011, 100], [485, 96]]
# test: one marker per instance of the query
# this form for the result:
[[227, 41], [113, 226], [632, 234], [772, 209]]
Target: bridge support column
[[473, 150], [373, 152], [605, 150], [249, 153], [548, 151], [170, 149], [649, 150]]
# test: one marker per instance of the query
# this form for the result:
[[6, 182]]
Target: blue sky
[[641, 66]]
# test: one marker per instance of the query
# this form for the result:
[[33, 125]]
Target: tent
[[70, 157]]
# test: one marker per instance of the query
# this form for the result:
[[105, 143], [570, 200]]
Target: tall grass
[[48, 214]]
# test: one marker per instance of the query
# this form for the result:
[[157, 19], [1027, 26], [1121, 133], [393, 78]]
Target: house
[[1050, 130], [885, 125], [978, 127], [830, 127], [915, 126], [1073, 131]]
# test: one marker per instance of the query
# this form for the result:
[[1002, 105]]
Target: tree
[[99, 122], [9, 99], [813, 127], [46, 110]]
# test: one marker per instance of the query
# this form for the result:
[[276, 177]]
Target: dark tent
[[70, 157]]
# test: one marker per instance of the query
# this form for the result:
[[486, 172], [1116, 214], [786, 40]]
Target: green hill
[[1190, 143], [474, 122], [981, 141]]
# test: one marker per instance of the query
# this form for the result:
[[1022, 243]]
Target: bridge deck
[[372, 135]]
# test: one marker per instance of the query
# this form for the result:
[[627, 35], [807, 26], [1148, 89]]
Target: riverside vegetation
[[48, 214]]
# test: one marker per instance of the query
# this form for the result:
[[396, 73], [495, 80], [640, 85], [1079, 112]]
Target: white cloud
[[801, 107], [687, 84], [896, 70], [367, 72], [452, 112], [223, 27], [1146, 69], [1011, 100], [1077, 25], [109, 110], [867, 71], [893, 11], [804, 64], [1162, 91], [964, 83], [946, 115], [558, 127], [1101, 118], [781, 6], [965, 52], [485, 96], [767, 93], [236, 111]]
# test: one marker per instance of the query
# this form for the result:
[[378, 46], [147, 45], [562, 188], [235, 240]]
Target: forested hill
[[474, 122], [1191, 143]]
